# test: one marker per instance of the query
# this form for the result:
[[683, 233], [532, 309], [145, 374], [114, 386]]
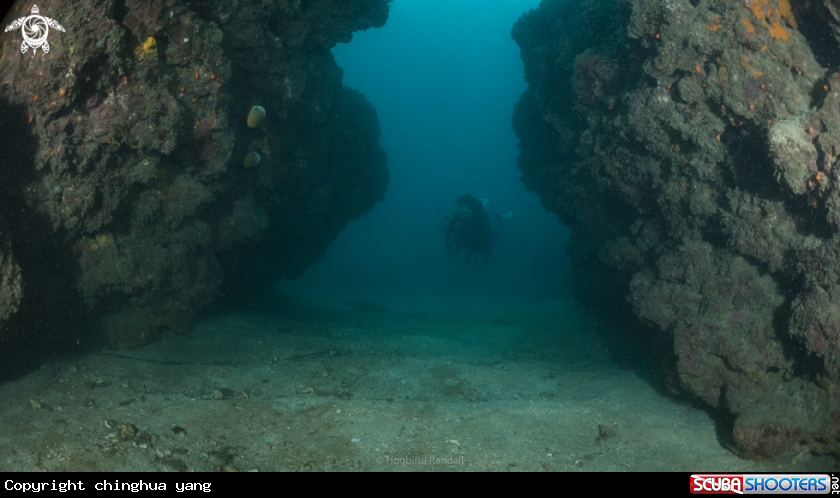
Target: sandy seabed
[[386, 383]]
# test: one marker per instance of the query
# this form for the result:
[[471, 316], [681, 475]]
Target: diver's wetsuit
[[470, 231]]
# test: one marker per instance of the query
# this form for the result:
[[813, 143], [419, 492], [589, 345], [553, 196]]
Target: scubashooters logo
[[35, 29], [737, 484]]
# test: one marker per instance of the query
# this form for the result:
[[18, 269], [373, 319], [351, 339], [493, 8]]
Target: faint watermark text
[[417, 460]]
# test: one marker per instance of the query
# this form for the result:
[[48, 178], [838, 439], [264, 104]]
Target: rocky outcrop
[[127, 174], [692, 146]]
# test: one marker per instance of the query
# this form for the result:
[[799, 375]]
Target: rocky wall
[[692, 146], [138, 187]]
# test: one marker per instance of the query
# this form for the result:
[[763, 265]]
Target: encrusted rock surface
[[125, 203], [692, 147]]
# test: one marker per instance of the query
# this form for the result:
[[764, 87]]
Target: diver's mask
[[464, 213]]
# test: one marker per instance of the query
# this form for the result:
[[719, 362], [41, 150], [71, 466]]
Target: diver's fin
[[498, 218]]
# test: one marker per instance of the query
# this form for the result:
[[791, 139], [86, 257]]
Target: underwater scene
[[420, 235]]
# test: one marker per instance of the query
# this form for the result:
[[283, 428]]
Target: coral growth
[[148, 48], [772, 17]]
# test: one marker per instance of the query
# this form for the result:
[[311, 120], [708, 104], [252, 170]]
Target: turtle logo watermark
[[35, 30]]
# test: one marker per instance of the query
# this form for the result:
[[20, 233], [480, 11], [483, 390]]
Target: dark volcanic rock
[[126, 203], [692, 147]]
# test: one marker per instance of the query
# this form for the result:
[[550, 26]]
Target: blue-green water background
[[444, 76]]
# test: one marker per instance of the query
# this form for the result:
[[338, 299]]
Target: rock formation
[[126, 205], [692, 146]]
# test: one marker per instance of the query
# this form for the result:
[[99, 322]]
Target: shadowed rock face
[[692, 146], [126, 206]]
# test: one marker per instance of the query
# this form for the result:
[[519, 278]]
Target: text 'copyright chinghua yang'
[[134, 487]]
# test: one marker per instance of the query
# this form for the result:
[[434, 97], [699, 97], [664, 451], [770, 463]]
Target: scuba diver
[[469, 231]]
